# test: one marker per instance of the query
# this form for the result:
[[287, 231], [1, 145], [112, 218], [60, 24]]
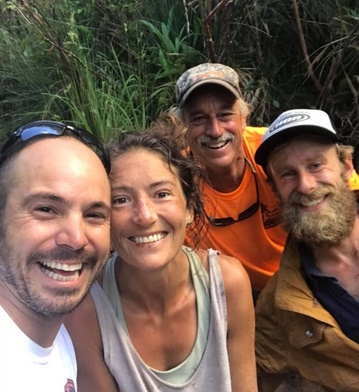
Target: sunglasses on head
[[247, 213], [54, 128]]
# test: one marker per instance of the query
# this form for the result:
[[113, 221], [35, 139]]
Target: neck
[[341, 262], [153, 291], [39, 328], [227, 179], [346, 250]]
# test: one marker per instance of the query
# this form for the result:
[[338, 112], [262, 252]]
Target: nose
[[214, 128], [72, 233], [306, 182], [144, 213]]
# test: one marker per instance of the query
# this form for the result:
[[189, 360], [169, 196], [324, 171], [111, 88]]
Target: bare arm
[[240, 311], [83, 327]]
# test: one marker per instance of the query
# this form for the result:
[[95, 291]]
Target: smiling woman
[[160, 321]]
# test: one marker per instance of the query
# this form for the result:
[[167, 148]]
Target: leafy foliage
[[112, 65]]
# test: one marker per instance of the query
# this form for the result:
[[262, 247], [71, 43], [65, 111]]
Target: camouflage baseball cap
[[206, 73]]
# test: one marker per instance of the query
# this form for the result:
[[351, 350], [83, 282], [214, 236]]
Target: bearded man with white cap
[[307, 317]]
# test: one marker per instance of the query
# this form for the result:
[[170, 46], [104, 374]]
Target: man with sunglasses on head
[[54, 240], [307, 317]]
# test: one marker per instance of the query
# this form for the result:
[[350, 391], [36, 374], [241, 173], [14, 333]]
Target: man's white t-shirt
[[27, 367]]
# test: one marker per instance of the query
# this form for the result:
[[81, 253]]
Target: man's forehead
[[303, 142], [303, 148], [62, 185], [58, 159], [55, 143], [49, 150]]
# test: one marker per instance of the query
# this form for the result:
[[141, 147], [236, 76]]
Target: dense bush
[[112, 65]]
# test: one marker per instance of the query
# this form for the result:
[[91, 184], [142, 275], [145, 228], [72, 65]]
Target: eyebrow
[[58, 199], [195, 112], [152, 185], [43, 195]]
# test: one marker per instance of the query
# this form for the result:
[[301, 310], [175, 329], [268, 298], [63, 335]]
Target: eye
[[225, 116], [120, 200], [314, 166], [198, 120], [97, 217], [287, 174], [44, 210], [163, 194]]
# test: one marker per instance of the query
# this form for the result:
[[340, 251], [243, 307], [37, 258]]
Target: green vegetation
[[111, 66]]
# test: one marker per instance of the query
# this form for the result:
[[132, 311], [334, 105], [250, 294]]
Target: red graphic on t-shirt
[[70, 386]]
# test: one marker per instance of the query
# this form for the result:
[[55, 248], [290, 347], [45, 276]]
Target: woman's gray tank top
[[210, 358]]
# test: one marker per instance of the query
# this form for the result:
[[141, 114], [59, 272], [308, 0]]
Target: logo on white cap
[[291, 123], [288, 119]]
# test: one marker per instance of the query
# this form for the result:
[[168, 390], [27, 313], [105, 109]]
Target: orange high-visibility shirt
[[258, 241]]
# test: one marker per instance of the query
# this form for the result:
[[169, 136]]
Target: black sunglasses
[[54, 128], [250, 211]]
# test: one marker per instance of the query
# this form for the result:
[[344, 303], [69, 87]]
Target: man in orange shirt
[[243, 214]]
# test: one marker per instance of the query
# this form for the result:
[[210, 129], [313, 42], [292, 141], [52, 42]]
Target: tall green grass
[[111, 66]]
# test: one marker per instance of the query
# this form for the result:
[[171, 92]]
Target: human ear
[[348, 168], [189, 217]]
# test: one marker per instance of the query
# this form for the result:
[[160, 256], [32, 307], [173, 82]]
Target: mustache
[[60, 254], [327, 226], [225, 137], [301, 198]]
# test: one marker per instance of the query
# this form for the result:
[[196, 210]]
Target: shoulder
[[254, 135], [231, 268], [235, 277], [66, 347]]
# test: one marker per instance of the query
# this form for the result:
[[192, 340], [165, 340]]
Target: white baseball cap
[[291, 123]]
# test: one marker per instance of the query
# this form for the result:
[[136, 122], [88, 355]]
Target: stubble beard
[[327, 227], [46, 301]]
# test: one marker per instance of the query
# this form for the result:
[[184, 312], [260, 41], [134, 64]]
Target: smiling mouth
[[311, 203], [148, 239], [216, 145], [61, 272]]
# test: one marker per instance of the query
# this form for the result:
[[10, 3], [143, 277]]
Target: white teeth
[[64, 267], [59, 277], [216, 145], [312, 203], [146, 240]]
